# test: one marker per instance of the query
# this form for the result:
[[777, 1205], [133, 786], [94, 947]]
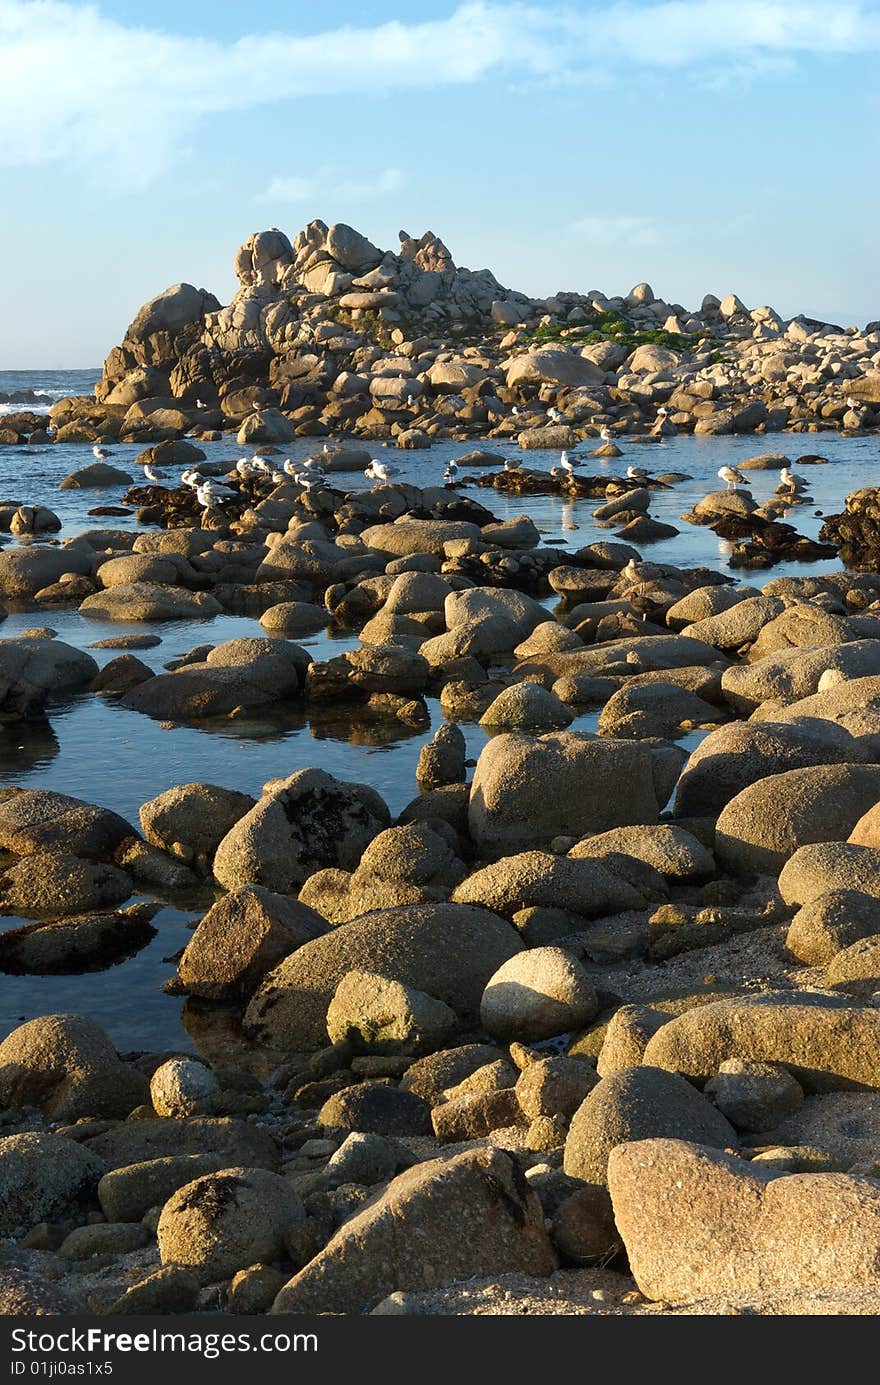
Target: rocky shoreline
[[329, 334], [591, 1026]]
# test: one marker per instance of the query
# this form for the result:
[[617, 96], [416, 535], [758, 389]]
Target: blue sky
[[704, 145]]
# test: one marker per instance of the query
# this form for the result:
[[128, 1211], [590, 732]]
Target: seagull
[[564, 468], [605, 433], [732, 477], [851, 403], [310, 483], [200, 404], [100, 452], [153, 473], [290, 468], [380, 471], [191, 478], [791, 482], [278, 478], [515, 411], [451, 471], [410, 400], [261, 463], [246, 469], [511, 466], [210, 493], [662, 412], [554, 415], [636, 473]]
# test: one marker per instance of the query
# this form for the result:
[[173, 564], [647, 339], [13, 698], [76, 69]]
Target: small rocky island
[[591, 1025], [330, 334]]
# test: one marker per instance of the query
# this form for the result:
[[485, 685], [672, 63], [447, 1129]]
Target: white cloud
[[121, 101], [616, 230], [328, 185]]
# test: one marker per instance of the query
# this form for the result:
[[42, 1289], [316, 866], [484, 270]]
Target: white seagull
[[636, 473], [200, 404], [191, 478], [210, 493], [791, 482], [554, 415], [246, 469], [564, 468], [153, 473], [605, 433], [100, 452], [380, 471], [451, 471], [731, 477]]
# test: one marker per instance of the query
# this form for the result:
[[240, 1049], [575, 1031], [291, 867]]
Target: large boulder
[[300, 825], [527, 790], [739, 625], [241, 673], [66, 1065], [376, 1015], [536, 995], [638, 1103], [148, 601], [44, 1178], [224, 1222], [764, 824], [37, 820], [697, 1222], [95, 476], [58, 882], [793, 674], [829, 1044], [235, 1142], [447, 950], [34, 671], [241, 938], [538, 878], [190, 820], [815, 869], [555, 367], [170, 312], [460, 1217], [25, 571], [733, 757]]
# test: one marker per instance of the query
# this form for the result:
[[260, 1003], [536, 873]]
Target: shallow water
[[119, 758]]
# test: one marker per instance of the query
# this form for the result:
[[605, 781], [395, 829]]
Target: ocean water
[[108, 755]]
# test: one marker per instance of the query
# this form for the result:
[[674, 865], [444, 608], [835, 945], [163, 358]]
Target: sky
[[707, 146]]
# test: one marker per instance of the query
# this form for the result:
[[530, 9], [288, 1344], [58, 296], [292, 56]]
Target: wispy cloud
[[328, 185], [616, 230], [77, 86]]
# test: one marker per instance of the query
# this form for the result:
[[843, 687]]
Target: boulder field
[[591, 1023]]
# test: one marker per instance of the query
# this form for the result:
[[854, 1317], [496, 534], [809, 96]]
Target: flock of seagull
[[310, 475]]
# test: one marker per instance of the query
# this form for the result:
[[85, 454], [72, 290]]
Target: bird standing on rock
[[636, 473], [564, 468], [605, 433], [731, 477], [210, 493], [791, 482], [380, 471], [191, 478]]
